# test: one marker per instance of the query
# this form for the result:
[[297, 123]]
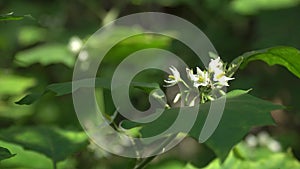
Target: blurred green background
[[40, 49]]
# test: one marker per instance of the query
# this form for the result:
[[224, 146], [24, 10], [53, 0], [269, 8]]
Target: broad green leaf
[[256, 158], [55, 143], [60, 89], [5, 154], [25, 159], [46, 54], [242, 112], [288, 57]]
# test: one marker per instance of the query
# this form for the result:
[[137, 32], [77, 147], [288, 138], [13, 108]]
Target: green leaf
[[172, 164], [46, 54], [250, 7], [190, 166], [267, 159], [5, 154], [60, 89], [13, 84], [288, 57], [30, 160], [11, 17], [242, 112], [55, 143], [29, 35]]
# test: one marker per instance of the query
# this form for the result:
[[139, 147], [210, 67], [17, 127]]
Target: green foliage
[[45, 55], [242, 157], [55, 143], [242, 112], [30, 35], [13, 87], [5, 154], [11, 17], [60, 89], [255, 158], [34, 52], [288, 57], [254, 6], [13, 84], [27, 159]]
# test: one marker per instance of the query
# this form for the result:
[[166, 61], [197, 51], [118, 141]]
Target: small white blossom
[[206, 80], [220, 78], [173, 78], [215, 64], [199, 79]]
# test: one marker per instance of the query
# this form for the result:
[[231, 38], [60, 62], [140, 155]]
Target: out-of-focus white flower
[[221, 78], [173, 78], [199, 79], [251, 140], [75, 44], [274, 146], [263, 138]]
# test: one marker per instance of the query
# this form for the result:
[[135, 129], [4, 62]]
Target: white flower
[[173, 78], [75, 44], [199, 79], [220, 78], [274, 146], [216, 67], [251, 140], [215, 64]]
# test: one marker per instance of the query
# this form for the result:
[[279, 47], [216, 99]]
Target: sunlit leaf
[[45, 55], [287, 57], [13, 84], [11, 17], [25, 159], [174, 164], [30, 35], [254, 6], [5, 154], [55, 143], [12, 88], [265, 159]]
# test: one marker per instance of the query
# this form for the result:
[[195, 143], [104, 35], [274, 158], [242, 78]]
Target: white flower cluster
[[263, 139], [204, 80]]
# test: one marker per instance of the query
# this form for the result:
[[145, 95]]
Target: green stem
[[149, 159], [144, 163], [54, 164]]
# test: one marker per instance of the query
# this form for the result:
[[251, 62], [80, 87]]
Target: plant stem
[[144, 163], [149, 159], [54, 164]]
